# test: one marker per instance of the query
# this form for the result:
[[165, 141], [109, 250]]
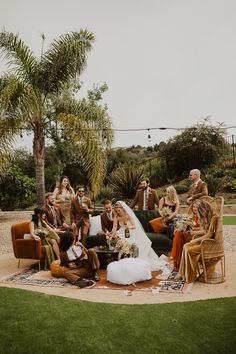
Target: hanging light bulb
[[104, 137], [149, 136]]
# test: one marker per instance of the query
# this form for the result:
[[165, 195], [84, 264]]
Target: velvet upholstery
[[25, 248]]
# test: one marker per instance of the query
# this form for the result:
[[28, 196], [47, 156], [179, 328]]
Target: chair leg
[[204, 270], [19, 263], [39, 266]]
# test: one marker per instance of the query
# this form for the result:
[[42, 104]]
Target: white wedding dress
[[131, 270]]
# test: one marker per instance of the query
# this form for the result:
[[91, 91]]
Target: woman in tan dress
[[63, 195], [192, 250]]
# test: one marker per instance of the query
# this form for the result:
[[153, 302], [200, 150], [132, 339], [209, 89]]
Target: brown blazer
[[106, 223], [77, 214], [200, 191], [152, 199], [59, 215]]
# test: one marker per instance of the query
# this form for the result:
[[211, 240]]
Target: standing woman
[[63, 195], [171, 202]]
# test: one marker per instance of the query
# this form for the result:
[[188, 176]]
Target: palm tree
[[31, 96]]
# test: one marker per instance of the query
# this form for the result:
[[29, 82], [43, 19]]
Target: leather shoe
[[84, 283]]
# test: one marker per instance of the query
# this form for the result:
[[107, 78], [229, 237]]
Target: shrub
[[214, 184], [125, 180], [16, 190], [105, 193], [182, 187], [229, 184]]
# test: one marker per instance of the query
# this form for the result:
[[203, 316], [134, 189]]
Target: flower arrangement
[[185, 223], [41, 233], [111, 240], [124, 248], [166, 213]]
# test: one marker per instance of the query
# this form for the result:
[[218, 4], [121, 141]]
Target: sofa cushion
[[158, 226], [95, 224]]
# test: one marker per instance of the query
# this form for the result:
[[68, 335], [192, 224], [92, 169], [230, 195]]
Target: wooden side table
[[105, 255]]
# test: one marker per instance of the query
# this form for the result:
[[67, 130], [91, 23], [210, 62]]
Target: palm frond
[[92, 154], [18, 55], [19, 103], [94, 115], [65, 59]]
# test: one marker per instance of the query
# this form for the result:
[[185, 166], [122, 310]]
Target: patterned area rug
[[159, 283]]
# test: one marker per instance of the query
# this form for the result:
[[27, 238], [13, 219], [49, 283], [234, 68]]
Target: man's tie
[[145, 199], [81, 202]]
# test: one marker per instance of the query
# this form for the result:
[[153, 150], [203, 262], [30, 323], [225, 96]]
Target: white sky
[[167, 62]]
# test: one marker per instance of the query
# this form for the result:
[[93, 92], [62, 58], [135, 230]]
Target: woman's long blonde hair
[[173, 195], [205, 213]]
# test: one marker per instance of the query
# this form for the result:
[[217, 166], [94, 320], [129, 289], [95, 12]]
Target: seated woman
[[83, 263], [183, 236], [63, 194], [39, 229], [169, 203], [136, 269], [192, 250]]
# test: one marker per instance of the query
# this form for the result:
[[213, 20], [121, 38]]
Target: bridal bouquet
[[41, 233], [185, 223], [166, 213]]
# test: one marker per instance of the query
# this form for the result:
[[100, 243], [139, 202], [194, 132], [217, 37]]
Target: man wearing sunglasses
[[81, 207]]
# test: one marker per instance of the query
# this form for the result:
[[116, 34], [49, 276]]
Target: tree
[[197, 147], [31, 98]]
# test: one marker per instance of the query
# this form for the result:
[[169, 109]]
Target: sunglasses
[[81, 191]]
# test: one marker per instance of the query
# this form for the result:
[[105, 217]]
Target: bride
[[130, 270]]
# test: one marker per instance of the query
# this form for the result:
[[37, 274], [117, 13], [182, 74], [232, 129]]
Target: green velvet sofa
[[160, 242]]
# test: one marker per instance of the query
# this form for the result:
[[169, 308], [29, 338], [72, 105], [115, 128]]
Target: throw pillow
[[158, 226], [95, 225]]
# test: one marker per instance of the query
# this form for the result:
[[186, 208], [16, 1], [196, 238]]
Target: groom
[[146, 197]]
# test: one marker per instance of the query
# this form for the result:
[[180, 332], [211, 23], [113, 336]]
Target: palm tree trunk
[[39, 154]]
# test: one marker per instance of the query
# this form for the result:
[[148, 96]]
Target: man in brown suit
[[106, 221], [146, 197], [198, 188], [81, 207], [54, 215]]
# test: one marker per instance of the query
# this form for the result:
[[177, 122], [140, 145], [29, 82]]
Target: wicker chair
[[25, 248], [212, 250]]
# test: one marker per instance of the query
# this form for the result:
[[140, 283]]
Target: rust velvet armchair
[[25, 248]]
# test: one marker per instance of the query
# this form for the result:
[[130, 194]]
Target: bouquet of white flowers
[[166, 212], [112, 240], [41, 233], [185, 223], [126, 249]]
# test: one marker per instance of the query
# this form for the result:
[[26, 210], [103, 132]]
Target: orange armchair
[[25, 248]]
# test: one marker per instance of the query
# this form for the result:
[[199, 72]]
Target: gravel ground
[[10, 217]]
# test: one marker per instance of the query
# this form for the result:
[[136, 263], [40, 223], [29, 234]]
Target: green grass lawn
[[229, 219], [37, 323]]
